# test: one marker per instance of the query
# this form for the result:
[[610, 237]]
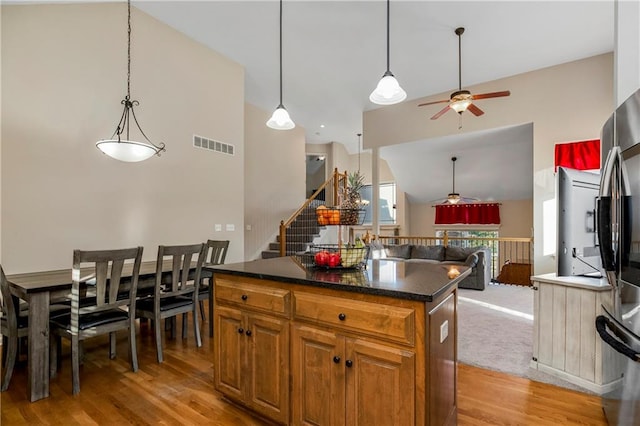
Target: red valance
[[584, 155], [468, 214]]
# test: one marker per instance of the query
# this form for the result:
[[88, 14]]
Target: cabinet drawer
[[250, 296], [391, 322]]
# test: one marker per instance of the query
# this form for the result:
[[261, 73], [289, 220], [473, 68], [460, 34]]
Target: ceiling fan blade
[[434, 102], [492, 95], [475, 110], [439, 113]]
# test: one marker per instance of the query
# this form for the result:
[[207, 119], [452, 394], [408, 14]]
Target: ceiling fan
[[453, 197], [462, 100]]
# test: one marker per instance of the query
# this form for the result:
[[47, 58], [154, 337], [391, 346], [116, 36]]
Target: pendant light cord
[[359, 134], [388, 9], [128, 49], [281, 53], [459, 61]]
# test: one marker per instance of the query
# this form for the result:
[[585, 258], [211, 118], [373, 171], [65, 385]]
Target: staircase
[[301, 233]]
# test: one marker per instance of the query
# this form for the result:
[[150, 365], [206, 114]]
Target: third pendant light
[[388, 90]]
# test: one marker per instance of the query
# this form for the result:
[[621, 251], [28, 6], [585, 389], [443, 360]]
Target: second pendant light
[[280, 119]]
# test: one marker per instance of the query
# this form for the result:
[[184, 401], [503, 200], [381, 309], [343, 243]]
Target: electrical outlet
[[444, 331], [248, 227]]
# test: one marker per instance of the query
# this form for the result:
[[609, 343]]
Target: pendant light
[[126, 149], [453, 197], [280, 119], [388, 90]]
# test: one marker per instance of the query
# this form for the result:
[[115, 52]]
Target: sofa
[[478, 258]]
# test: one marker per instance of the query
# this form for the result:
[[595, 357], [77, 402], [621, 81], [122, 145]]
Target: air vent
[[210, 144]]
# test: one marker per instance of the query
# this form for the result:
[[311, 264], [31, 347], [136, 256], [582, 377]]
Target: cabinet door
[[267, 341], [442, 379], [317, 364], [380, 384], [228, 346]]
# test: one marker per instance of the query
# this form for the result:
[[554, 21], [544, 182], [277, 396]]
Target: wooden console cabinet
[[302, 354]]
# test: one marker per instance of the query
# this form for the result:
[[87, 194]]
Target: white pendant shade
[[388, 91], [128, 151], [280, 119]]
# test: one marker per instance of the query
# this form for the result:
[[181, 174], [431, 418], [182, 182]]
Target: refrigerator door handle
[[604, 220], [602, 323]]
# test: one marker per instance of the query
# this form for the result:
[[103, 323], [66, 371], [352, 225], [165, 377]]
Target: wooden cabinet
[[356, 381], [252, 352], [341, 380], [304, 355]]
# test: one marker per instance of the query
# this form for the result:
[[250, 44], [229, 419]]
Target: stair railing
[[288, 243]]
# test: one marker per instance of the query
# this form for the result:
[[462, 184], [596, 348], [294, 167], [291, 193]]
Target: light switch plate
[[444, 331], [231, 227], [218, 227]]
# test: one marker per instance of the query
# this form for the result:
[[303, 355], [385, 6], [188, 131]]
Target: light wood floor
[[180, 391]]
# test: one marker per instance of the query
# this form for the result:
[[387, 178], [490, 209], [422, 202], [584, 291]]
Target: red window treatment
[[471, 214], [584, 155]]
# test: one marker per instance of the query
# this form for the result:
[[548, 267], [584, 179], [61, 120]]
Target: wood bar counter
[[301, 345]]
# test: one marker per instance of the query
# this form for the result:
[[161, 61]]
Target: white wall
[[274, 178], [627, 49], [63, 77]]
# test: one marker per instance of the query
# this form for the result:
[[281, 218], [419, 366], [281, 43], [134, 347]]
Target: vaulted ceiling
[[334, 53]]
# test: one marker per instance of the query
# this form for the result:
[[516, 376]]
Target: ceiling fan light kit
[[388, 90], [280, 120], [462, 100], [128, 150]]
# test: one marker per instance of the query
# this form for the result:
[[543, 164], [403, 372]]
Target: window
[[475, 236], [387, 213]]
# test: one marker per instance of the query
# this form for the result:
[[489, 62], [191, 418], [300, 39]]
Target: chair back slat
[[181, 258], [10, 303], [109, 289], [216, 251]]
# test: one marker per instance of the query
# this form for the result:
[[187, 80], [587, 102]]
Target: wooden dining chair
[[176, 292], [108, 305], [216, 254], [13, 327]]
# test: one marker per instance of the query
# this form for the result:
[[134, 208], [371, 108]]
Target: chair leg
[[184, 325], [133, 348], [54, 351], [158, 333], [201, 303], [196, 325], [210, 315], [75, 364], [12, 352], [112, 345]]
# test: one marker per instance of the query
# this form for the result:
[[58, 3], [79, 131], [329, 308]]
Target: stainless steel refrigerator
[[619, 238]]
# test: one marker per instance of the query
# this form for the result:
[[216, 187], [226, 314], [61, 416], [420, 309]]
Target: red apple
[[334, 260], [322, 258]]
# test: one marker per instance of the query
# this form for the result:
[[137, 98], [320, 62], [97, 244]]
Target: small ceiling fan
[[462, 100], [453, 197]]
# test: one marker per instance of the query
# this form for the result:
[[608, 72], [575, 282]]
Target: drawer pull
[[248, 333], [244, 297], [342, 316], [336, 359], [241, 330], [348, 363]]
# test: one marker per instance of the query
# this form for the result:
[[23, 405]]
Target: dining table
[[40, 289]]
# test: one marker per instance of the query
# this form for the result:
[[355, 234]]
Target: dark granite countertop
[[404, 280]]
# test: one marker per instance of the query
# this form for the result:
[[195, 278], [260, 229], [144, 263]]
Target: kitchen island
[[300, 345]]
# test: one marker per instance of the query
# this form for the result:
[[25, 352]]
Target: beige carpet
[[495, 331]]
